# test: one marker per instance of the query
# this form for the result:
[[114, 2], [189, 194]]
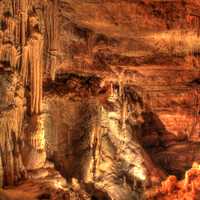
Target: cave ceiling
[[144, 43]]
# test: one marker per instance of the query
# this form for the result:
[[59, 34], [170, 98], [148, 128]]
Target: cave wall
[[171, 129], [21, 56], [67, 125]]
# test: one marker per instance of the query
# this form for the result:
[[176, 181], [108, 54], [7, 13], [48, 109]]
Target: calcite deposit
[[99, 100]]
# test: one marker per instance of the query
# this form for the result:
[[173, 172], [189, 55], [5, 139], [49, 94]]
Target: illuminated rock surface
[[188, 188], [99, 99]]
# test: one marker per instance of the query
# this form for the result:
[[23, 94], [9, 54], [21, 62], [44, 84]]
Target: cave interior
[[99, 99]]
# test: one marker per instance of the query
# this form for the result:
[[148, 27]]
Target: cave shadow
[[96, 194], [153, 124], [154, 127]]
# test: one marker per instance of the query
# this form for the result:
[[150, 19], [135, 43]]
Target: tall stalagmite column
[[32, 41]]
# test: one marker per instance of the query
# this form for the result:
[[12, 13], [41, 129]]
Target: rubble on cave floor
[[53, 186], [173, 189]]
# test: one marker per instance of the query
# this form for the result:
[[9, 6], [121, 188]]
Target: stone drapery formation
[[11, 124], [22, 46], [29, 38], [21, 57]]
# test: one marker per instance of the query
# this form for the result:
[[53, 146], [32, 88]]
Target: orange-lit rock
[[188, 188], [105, 92]]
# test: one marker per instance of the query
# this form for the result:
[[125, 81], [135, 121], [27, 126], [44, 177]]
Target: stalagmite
[[37, 139], [35, 144]]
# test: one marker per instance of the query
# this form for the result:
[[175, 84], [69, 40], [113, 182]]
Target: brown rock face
[[97, 143], [108, 91]]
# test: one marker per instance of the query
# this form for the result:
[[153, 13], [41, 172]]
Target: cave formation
[[99, 100]]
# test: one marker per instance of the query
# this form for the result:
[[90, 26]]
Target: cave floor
[[41, 186]]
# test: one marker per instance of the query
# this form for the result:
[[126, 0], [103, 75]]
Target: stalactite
[[9, 54], [111, 89], [124, 113], [35, 60], [96, 143], [52, 31], [8, 50], [9, 33], [24, 6], [1, 170], [120, 87], [24, 64], [20, 8]]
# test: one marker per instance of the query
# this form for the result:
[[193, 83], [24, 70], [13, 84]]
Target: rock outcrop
[[104, 150]]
